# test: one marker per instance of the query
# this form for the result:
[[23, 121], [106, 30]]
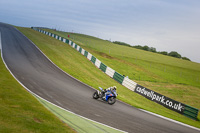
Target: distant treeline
[[152, 49]]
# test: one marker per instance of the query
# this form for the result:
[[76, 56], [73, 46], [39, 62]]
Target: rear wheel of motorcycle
[[95, 95], [111, 100]]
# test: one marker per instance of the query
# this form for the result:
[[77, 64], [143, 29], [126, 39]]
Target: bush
[[146, 48], [185, 58], [138, 47], [152, 49], [121, 43], [174, 54], [164, 52]]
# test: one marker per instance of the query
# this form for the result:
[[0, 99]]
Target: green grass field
[[20, 112], [139, 64], [151, 70]]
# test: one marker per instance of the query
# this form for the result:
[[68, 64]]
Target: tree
[[185, 58], [138, 47], [164, 52], [122, 43], [146, 48], [174, 54], [152, 49]]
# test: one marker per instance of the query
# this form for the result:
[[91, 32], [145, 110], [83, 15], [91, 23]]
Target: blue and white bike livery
[[110, 96]]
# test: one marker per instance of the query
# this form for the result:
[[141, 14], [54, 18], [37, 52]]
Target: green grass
[[139, 64], [20, 112], [79, 67]]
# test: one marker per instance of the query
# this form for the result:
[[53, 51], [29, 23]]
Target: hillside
[[120, 58], [152, 67]]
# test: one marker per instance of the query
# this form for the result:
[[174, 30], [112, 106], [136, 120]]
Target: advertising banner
[[160, 99]]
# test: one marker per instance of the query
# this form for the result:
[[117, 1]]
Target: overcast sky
[[167, 25]]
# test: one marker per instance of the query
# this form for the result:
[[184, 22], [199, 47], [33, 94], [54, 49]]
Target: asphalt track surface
[[43, 78]]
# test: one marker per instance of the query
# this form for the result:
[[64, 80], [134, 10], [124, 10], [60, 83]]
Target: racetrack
[[43, 78]]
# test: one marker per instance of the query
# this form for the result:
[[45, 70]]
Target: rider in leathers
[[113, 88]]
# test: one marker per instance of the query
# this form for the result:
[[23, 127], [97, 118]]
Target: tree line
[[152, 49]]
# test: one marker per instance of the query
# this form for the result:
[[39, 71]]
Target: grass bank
[[79, 67], [139, 64], [20, 112]]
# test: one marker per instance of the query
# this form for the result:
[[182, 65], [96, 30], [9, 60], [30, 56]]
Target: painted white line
[[58, 102], [49, 95], [34, 82], [97, 115], [49, 101], [183, 124]]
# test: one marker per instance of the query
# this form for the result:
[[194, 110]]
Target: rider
[[113, 88]]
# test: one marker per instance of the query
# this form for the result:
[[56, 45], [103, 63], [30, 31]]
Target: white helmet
[[114, 87]]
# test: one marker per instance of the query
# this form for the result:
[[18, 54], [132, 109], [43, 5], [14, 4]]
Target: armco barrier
[[78, 47], [89, 56], [131, 85], [110, 72], [86, 54], [93, 59], [83, 52], [118, 77], [67, 41], [103, 67], [181, 108], [191, 112], [75, 46], [64, 40], [97, 63]]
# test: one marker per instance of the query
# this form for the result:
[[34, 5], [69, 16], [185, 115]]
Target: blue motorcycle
[[110, 96]]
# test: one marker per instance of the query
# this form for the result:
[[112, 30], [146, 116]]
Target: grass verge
[[20, 112], [80, 124], [79, 67]]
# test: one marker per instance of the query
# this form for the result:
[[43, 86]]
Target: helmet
[[114, 87]]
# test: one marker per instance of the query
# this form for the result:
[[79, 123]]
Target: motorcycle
[[110, 95]]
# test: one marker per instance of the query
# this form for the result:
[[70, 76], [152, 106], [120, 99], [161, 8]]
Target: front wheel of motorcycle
[[95, 95], [111, 100]]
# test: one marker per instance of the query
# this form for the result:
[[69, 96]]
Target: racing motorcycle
[[110, 95]]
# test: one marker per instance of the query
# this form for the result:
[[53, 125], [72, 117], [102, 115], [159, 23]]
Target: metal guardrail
[[191, 112]]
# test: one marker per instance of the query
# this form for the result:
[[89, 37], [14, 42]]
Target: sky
[[167, 25]]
